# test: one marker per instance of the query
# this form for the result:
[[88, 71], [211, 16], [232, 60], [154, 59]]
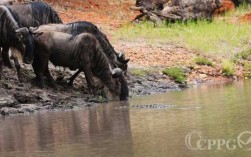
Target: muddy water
[[202, 121]]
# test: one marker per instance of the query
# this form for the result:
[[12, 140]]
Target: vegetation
[[138, 72], [247, 67], [246, 55], [175, 73], [214, 38], [221, 37], [228, 68], [203, 61]]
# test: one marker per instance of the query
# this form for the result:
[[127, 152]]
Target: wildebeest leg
[[89, 78], [35, 63], [39, 69], [1, 65], [72, 78], [18, 67], [6, 58], [49, 77]]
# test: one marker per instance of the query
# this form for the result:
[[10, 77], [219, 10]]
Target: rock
[[23, 97], [8, 110], [7, 100], [28, 108], [203, 76], [44, 96]]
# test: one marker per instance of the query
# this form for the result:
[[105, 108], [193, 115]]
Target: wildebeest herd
[[37, 32]]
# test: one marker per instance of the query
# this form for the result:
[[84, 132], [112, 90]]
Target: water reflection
[[70, 133], [217, 111]]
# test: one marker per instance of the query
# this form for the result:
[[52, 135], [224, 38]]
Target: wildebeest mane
[[8, 25], [34, 14], [84, 26], [44, 8]]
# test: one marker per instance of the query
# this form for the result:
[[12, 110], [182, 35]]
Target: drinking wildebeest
[[81, 27], [26, 15], [12, 35], [82, 52]]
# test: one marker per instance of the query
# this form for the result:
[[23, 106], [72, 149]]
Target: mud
[[26, 97]]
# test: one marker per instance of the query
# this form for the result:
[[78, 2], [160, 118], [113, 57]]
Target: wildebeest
[[27, 15], [76, 28], [82, 52], [13, 35]]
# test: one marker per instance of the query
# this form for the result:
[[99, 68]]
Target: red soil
[[226, 6], [105, 12], [246, 18]]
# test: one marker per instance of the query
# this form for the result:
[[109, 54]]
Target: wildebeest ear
[[19, 35], [126, 61], [117, 72], [20, 31]]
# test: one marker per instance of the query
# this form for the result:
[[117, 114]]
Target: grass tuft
[[203, 61], [175, 73], [138, 72], [228, 68]]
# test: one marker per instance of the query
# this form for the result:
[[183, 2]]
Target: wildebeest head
[[117, 73], [122, 62], [25, 44]]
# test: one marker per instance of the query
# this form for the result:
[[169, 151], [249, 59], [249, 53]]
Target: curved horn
[[23, 29], [121, 56], [32, 29], [37, 23]]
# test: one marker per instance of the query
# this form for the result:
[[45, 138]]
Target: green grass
[[218, 38], [203, 61], [246, 55], [215, 38], [138, 72], [228, 68], [175, 73], [247, 67]]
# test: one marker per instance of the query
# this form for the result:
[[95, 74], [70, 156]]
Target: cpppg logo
[[195, 141]]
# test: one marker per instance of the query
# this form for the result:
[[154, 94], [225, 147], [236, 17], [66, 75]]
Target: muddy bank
[[26, 97]]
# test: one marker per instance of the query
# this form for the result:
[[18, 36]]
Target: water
[[218, 112]]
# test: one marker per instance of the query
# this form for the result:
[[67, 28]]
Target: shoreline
[[23, 98]]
